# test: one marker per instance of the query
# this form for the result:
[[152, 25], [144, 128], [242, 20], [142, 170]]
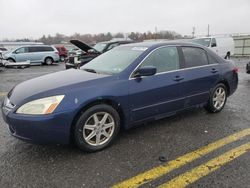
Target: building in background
[[242, 45]]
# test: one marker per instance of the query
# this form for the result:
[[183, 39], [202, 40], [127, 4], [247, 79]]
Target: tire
[[11, 60], [228, 55], [62, 58], [48, 61], [90, 133], [217, 99]]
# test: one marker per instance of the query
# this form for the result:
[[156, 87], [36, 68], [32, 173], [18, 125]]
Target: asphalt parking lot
[[194, 149]]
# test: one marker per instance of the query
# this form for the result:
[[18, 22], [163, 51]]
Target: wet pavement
[[135, 151]]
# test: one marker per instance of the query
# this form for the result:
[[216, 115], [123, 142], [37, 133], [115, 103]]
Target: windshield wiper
[[90, 70]]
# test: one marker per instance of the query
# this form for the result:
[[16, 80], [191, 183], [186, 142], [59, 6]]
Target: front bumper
[[40, 129], [70, 66]]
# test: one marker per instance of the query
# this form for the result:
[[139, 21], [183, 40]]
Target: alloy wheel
[[98, 128], [219, 98]]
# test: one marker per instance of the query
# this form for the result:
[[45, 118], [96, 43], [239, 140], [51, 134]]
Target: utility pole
[[155, 33], [193, 32], [208, 34]]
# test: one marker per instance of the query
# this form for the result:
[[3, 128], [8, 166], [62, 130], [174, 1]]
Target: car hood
[[84, 47], [50, 85]]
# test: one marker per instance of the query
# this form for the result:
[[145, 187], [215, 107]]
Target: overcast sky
[[33, 18]]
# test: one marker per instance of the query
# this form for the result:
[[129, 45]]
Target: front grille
[[72, 60]]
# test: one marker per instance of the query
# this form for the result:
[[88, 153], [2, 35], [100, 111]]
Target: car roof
[[38, 45], [59, 46], [119, 41], [163, 43]]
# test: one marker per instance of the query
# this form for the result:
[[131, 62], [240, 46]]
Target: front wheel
[[217, 99], [11, 60], [96, 128]]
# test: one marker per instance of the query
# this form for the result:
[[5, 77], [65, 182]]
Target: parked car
[[88, 53], [248, 68], [63, 52], [223, 46], [1, 62], [2, 50], [124, 87], [74, 52], [35, 54]]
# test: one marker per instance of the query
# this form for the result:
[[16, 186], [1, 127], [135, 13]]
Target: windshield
[[203, 42], [113, 61], [100, 47]]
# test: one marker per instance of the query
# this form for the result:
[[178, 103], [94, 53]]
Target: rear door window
[[33, 49], [194, 57], [164, 59]]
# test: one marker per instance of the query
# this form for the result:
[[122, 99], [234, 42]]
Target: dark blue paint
[[138, 99]]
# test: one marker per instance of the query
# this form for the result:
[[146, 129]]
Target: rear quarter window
[[211, 59], [194, 57]]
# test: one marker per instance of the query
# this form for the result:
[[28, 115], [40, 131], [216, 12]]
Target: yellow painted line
[[159, 171], [193, 175], [3, 93]]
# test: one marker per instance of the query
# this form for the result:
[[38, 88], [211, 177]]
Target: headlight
[[41, 106]]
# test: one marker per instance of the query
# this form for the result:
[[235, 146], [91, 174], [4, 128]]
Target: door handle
[[178, 78], [214, 71]]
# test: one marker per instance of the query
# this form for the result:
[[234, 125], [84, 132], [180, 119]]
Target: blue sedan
[[124, 87]]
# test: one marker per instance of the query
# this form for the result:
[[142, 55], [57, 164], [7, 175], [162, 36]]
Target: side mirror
[[213, 45], [16, 52], [145, 71]]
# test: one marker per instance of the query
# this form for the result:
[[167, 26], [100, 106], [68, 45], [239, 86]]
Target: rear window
[[63, 49], [194, 57]]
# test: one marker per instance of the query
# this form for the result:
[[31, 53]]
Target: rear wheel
[[48, 61], [217, 99], [62, 58], [96, 128]]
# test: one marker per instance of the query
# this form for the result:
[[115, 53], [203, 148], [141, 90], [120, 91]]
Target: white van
[[223, 46]]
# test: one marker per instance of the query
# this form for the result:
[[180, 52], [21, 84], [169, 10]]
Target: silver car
[[35, 54]]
